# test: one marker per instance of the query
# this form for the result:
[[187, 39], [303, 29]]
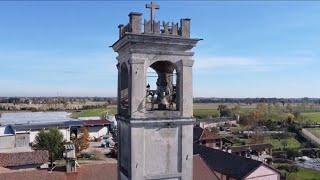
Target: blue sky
[[250, 49]]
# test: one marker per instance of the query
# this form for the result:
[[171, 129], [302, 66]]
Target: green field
[[291, 142], [312, 117], [304, 174], [203, 113], [93, 112], [200, 110], [112, 110]]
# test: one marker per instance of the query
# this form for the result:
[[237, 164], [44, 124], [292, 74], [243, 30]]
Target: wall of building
[[97, 131], [7, 142], [65, 133], [262, 173], [22, 140]]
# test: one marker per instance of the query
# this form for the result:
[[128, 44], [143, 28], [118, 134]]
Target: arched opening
[[124, 90], [161, 90]]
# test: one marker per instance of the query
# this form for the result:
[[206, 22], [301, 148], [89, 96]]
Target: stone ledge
[[158, 122]]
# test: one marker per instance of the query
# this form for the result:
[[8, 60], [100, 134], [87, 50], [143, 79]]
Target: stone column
[[118, 95], [187, 152], [137, 153], [185, 88], [138, 88]]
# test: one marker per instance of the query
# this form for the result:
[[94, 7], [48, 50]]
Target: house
[[213, 164], [260, 152], [205, 137]]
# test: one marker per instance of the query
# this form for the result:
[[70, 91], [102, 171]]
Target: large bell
[[164, 103]]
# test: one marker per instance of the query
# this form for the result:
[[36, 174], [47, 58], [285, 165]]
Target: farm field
[[201, 110], [94, 112], [203, 113], [312, 117]]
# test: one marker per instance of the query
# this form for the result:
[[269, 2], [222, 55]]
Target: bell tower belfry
[[155, 100]]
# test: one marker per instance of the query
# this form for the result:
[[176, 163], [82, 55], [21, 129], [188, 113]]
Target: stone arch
[[124, 89], [162, 89]]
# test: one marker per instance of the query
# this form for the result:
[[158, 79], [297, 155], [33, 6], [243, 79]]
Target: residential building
[[212, 164], [210, 139]]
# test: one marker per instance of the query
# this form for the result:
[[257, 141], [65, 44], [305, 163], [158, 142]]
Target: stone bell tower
[[155, 122]]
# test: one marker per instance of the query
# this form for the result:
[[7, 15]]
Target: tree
[[224, 111], [82, 142], [262, 112], [284, 143], [292, 153], [52, 141], [290, 118]]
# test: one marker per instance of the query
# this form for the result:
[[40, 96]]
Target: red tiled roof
[[200, 169], [23, 158], [207, 135], [95, 122]]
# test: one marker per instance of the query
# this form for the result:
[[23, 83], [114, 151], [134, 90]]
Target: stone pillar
[[118, 90], [135, 22], [138, 91], [187, 153], [185, 88], [137, 153], [185, 28], [121, 30]]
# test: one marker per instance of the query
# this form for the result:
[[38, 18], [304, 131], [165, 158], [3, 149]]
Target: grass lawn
[[312, 117], [94, 112], [304, 174], [203, 113], [292, 143]]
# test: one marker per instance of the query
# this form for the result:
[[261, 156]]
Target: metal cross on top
[[152, 6]]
